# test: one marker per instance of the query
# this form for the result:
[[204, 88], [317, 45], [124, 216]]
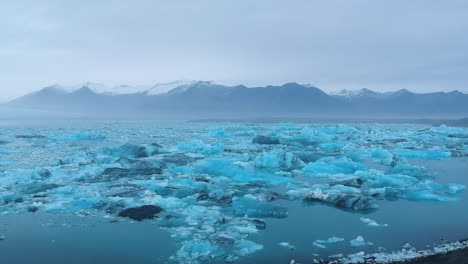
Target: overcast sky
[[382, 45]]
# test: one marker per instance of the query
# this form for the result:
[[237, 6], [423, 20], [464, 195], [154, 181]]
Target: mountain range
[[207, 100]]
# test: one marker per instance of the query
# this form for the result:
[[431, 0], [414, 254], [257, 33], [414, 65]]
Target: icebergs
[[309, 136], [403, 167], [422, 154], [238, 173], [141, 213], [331, 165], [443, 129], [194, 250], [360, 242], [325, 193], [219, 134], [265, 140], [247, 247], [332, 145], [278, 159], [130, 151], [197, 146], [205, 193]]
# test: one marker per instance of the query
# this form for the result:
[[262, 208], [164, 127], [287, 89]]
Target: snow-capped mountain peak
[[161, 88], [353, 93]]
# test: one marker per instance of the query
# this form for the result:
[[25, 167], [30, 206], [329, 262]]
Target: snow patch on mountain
[[161, 88]]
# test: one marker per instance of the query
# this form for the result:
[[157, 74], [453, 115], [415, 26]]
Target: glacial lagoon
[[184, 192]]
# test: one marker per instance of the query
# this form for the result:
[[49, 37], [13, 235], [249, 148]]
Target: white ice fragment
[[371, 222], [331, 240], [360, 242], [247, 247], [278, 159], [318, 245], [286, 245]]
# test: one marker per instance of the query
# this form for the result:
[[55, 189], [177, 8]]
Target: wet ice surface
[[244, 192]]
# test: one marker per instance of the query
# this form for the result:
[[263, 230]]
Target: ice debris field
[[214, 187]]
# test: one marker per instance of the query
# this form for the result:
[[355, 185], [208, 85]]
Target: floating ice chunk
[[287, 126], [83, 204], [356, 257], [353, 201], [197, 250], [286, 245], [9, 198], [77, 159], [337, 129], [394, 180], [141, 213], [183, 169], [360, 242], [178, 159], [332, 145], [246, 247], [371, 222], [266, 140], [450, 130], [425, 195], [403, 255], [197, 146], [422, 154], [40, 174], [312, 136], [377, 179], [408, 169], [333, 166], [278, 159], [381, 154], [346, 189], [238, 173], [219, 134], [225, 239], [449, 189], [331, 240], [35, 187], [408, 246], [431, 191], [130, 151], [378, 155], [255, 208], [318, 245], [76, 137]]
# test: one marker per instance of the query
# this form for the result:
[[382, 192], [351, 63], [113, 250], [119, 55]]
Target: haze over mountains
[[207, 100]]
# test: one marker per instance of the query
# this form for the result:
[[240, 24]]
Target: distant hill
[[190, 99]]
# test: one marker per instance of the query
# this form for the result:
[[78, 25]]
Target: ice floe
[[213, 190]]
